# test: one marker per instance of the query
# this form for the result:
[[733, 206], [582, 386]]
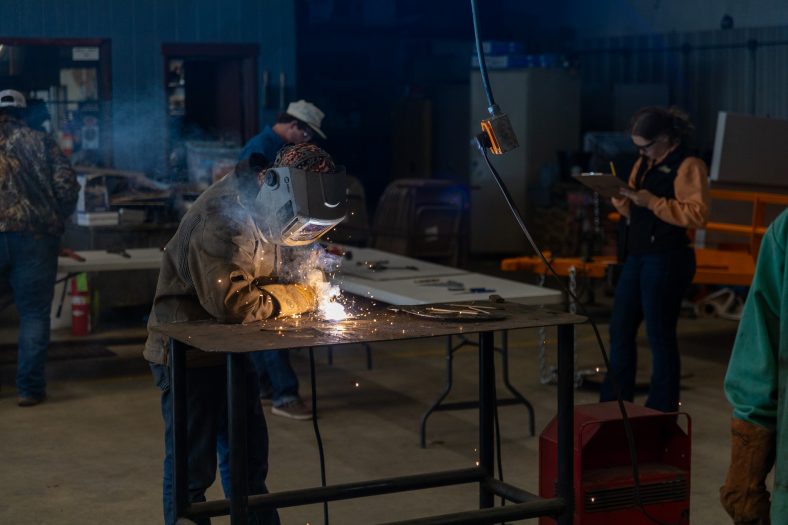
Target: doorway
[[212, 110]]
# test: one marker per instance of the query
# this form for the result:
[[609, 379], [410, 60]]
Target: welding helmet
[[296, 207]]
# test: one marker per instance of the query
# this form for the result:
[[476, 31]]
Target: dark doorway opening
[[211, 93]]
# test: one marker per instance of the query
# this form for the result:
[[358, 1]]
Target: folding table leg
[[441, 397]]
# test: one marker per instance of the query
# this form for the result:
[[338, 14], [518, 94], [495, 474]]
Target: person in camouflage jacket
[[38, 192]]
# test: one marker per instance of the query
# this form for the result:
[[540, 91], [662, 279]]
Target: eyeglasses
[[306, 130], [644, 147]]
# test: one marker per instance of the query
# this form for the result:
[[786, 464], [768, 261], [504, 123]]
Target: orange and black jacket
[[680, 183]]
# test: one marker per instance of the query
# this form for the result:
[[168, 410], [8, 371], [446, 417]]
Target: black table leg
[[486, 413], [180, 452], [566, 386], [516, 393], [236, 417], [441, 397]]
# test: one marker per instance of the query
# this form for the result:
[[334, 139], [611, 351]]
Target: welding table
[[235, 340]]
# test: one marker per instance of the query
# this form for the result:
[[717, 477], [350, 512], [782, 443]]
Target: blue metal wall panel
[[718, 73], [137, 28]]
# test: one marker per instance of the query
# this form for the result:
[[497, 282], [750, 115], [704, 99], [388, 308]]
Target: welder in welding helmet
[[302, 196]]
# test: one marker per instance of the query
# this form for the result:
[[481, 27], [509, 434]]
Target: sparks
[[332, 311], [328, 307]]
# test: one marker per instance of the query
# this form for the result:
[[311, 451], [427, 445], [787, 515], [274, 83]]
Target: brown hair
[[653, 121]]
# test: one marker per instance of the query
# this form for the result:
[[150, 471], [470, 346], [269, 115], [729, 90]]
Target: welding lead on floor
[[225, 262]]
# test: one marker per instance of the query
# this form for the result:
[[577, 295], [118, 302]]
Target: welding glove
[[292, 299], [744, 495]]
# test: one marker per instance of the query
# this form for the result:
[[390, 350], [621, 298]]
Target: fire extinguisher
[[80, 305]]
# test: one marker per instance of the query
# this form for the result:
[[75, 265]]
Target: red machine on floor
[[603, 484]]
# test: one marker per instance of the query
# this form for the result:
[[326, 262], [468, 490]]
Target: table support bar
[[510, 492], [531, 509], [292, 498]]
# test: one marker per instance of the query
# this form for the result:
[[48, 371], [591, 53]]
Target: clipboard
[[605, 184]]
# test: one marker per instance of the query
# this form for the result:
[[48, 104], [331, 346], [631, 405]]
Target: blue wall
[[606, 18], [137, 28]]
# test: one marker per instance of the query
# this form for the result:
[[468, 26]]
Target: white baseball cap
[[307, 113], [10, 98]]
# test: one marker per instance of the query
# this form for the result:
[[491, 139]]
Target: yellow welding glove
[[744, 495], [292, 299]]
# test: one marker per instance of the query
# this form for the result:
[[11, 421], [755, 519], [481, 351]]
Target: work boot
[[30, 401], [744, 495]]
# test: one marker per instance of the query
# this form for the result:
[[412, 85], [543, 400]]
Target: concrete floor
[[92, 453]]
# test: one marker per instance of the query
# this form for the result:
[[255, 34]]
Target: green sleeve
[[751, 383]]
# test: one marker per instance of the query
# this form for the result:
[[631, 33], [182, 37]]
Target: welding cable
[[482, 62], [622, 409], [483, 149], [313, 383], [518, 217]]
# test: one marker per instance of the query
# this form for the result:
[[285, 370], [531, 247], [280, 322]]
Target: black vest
[[647, 233]]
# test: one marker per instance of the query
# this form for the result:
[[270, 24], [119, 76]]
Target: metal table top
[[372, 322]]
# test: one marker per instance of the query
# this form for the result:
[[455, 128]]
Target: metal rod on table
[[236, 417], [486, 413], [180, 444], [566, 379]]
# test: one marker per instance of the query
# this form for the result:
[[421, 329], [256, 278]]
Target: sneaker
[[30, 401], [294, 410]]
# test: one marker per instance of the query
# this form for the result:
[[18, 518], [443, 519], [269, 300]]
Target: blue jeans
[[650, 287], [28, 265], [276, 375], [206, 391]]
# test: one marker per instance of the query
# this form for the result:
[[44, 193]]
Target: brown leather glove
[[744, 495], [293, 299]]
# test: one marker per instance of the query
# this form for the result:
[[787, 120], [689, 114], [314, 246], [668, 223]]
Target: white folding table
[[400, 280]]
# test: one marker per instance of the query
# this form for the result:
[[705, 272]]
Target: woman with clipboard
[[668, 194]]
